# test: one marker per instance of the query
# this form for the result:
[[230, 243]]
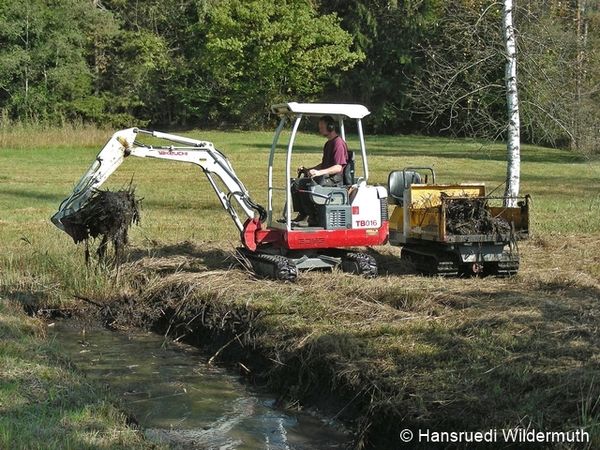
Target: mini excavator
[[349, 216]]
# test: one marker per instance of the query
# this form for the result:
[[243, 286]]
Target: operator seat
[[398, 181], [332, 203], [348, 175], [335, 195]]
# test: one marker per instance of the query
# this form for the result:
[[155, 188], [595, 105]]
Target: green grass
[[466, 352], [44, 402], [179, 204]]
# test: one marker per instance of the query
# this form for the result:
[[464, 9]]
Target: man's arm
[[306, 170], [333, 170], [340, 158], [316, 171]]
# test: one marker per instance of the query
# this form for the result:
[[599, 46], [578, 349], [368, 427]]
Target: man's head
[[327, 126]]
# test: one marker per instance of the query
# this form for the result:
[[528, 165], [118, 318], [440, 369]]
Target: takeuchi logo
[[172, 153]]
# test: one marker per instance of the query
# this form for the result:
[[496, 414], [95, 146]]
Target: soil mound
[[107, 214]]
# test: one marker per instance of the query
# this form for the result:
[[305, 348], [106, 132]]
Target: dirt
[[466, 216], [107, 215]]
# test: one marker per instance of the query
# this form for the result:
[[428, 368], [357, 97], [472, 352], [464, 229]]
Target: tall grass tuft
[[589, 415], [20, 135]]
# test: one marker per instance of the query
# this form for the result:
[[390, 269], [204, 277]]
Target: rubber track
[[428, 264], [446, 266], [360, 263], [506, 268], [276, 267]]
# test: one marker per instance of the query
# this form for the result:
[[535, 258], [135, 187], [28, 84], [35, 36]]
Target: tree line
[[421, 66]]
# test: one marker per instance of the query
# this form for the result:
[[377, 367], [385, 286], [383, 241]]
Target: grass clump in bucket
[[109, 215]]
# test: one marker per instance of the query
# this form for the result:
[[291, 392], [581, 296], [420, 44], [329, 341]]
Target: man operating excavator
[[328, 173]]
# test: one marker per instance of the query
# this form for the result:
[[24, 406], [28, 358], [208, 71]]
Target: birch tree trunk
[[580, 69], [513, 144]]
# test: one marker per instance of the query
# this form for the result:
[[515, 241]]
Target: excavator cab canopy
[[293, 113], [321, 109]]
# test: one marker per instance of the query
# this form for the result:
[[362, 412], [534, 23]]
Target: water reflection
[[177, 399]]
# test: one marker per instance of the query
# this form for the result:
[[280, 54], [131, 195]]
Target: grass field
[[446, 354]]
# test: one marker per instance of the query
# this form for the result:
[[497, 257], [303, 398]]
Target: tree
[[259, 52], [513, 140], [458, 88], [154, 72], [388, 33], [560, 73], [44, 58]]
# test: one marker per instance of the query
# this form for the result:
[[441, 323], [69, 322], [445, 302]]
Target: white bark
[[26, 40], [582, 31], [513, 144]]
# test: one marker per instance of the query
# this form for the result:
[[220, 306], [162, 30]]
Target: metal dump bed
[[424, 214]]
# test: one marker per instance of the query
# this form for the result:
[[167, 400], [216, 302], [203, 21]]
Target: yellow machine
[[454, 229]]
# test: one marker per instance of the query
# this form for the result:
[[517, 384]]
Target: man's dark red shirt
[[335, 152]]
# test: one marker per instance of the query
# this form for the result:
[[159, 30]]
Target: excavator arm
[[202, 153]]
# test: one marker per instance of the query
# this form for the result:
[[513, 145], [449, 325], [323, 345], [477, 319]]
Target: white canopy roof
[[321, 109]]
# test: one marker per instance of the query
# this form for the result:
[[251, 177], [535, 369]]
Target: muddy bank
[[303, 376], [251, 326], [45, 402], [397, 352]]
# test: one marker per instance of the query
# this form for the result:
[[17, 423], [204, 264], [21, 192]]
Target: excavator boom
[[202, 153]]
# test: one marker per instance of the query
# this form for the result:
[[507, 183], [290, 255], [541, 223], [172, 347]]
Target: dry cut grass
[[44, 402]]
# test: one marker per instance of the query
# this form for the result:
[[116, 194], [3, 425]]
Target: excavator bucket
[[110, 157]]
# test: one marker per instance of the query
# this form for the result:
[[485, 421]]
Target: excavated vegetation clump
[[466, 216], [108, 215]]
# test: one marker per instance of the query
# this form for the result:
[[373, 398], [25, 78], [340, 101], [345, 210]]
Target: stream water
[[177, 399]]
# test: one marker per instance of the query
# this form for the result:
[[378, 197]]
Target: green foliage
[[196, 60], [264, 51], [45, 67], [154, 69], [424, 66], [388, 33]]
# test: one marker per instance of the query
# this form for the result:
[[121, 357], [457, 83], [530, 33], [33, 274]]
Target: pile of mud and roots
[[466, 216], [106, 215]]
